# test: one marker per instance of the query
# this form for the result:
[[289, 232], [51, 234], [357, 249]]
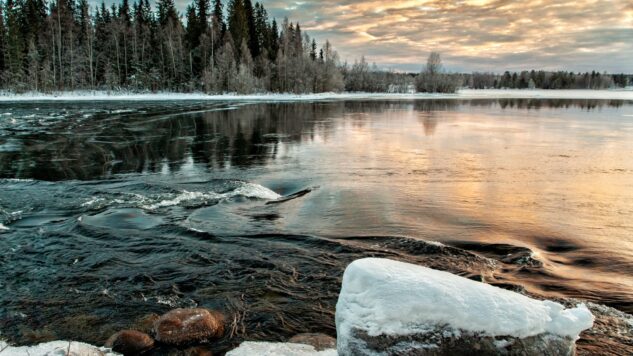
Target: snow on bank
[[622, 94], [385, 297], [55, 348], [278, 349]]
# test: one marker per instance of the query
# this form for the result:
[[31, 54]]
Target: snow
[[55, 348], [278, 349], [615, 94], [382, 296]]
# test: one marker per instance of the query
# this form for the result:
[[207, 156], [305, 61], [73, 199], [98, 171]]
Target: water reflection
[[145, 141]]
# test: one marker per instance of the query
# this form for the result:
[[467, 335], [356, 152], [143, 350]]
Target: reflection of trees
[[170, 134], [109, 145]]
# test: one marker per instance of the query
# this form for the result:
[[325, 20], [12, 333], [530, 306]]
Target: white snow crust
[[382, 296], [278, 349], [615, 94], [55, 348]]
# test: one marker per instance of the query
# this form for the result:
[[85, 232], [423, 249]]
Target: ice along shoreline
[[465, 94]]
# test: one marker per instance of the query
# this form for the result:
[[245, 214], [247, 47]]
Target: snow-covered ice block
[[278, 349], [392, 307], [55, 348]]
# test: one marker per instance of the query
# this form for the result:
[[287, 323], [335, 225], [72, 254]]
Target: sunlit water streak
[[113, 211]]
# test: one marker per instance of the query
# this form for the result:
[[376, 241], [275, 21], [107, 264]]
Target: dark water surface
[[113, 211]]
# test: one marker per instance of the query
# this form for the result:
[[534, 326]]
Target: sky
[[471, 35]]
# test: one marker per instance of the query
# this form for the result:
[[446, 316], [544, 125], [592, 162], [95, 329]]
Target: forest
[[65, 45], [213, 47]]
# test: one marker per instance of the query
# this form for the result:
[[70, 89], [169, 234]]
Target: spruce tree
[[218, 14], [238, 24], [253, 35], [3, 40]]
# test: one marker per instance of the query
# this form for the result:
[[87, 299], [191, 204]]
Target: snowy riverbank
[[622, 94]]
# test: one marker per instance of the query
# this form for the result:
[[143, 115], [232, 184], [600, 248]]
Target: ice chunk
[[385, 297]]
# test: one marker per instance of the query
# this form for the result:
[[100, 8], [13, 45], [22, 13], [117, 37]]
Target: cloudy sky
[[482, 35], [490, 35]]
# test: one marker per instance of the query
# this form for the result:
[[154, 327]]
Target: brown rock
[[130, 342], [198, 351], [320, 342], [186, 326], [146, 323]]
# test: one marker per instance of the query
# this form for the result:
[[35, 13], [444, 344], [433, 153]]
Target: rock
[[186, 326], [319, 341], [198, 351], [56, 348], [396, 308], [278, 349], [146, 323], [130, 342]]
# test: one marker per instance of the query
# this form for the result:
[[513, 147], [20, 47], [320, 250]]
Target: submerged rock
[[130, 342], [186, 326], [396, 308], [319, 341]]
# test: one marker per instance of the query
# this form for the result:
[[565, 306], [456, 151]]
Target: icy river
[[110, 211]]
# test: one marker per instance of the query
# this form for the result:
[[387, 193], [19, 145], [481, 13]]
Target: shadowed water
[[113, 211]]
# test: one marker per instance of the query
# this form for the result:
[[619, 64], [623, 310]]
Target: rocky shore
[[390, 308]]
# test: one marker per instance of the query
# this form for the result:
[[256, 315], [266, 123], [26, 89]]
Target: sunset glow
[[487, 35]]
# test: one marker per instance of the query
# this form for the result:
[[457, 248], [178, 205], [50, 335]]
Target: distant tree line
[[64, 45], [434, 79], [546, 80]]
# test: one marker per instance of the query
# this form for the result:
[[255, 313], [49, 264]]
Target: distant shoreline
[[464, 94]]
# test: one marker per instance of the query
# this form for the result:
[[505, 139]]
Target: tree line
[[215, 48], [66, 45], [435, 79], [547, 80]]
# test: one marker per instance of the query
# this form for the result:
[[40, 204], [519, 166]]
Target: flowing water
[[112, 211]]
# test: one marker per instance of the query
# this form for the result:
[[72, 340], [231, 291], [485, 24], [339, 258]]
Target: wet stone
[[188, 326], [130, 342]]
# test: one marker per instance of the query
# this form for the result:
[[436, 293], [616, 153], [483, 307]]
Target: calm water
[[112, 211]]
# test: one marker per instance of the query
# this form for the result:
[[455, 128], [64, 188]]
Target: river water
[[112, 211]]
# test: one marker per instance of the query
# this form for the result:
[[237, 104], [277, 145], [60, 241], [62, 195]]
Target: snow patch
[[385, 297], [55, 348], [461, 94], [278, 349]]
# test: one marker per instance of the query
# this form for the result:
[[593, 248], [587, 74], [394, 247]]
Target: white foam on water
[[183, 197], [248, 190], [3, 228]]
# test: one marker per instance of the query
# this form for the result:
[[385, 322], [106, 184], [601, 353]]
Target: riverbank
[[439, 313], [615, 94]]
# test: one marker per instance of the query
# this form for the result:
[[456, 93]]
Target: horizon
[[472, 35]]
